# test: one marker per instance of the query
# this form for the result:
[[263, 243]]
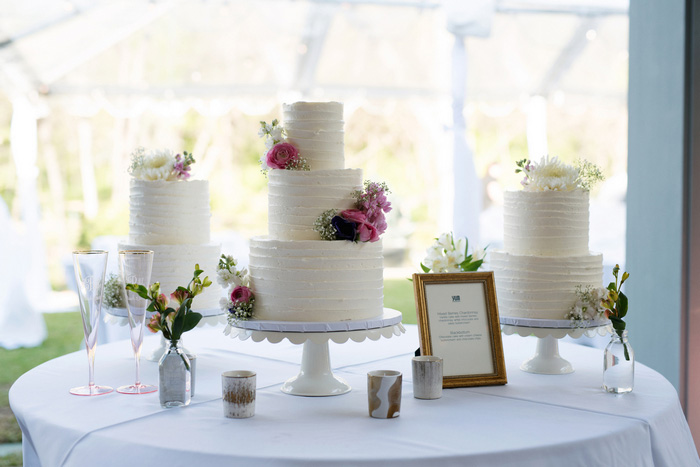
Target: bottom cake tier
[[316, 280], [542, 287], [173, 266]]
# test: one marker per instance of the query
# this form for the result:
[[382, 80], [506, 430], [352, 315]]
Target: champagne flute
[[89, 269], [135, 268]]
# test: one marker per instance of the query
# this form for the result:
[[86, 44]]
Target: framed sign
[[458, 321]]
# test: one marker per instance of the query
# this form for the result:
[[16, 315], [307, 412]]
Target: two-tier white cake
[[545, 255], [172, 218], [295, 274]]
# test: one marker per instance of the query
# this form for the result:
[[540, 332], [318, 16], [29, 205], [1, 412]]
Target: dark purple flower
[[345, 230]]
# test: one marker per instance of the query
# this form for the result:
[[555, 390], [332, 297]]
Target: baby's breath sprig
[[589, 174], [323, 225]]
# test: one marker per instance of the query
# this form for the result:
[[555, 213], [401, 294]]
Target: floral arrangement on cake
[[239, 301], [450, 255], [365, 223], [113, 294], [160, 164], [588, 306], [550, 174], [616, 304], [280, 153], [173, 316]]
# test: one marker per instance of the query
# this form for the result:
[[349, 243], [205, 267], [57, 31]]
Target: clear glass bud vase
[[174, 371], [618, 365]]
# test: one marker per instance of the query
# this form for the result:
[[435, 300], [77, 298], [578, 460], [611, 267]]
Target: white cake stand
[[547, 360], [315, 376], [210, 316]]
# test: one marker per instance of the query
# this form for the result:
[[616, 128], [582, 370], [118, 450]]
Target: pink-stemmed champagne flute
[[90, 269], [135, 268]]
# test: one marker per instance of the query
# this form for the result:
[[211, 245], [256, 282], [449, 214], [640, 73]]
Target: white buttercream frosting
[[550, 223], [297, 198], [542, 287], [172, 219], [545, 254], [173, 266], [169, 213], [316, 280], [316, 130]]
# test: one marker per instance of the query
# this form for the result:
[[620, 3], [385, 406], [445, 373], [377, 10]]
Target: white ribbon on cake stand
[[210, 316], [315, 376], [547, 360]]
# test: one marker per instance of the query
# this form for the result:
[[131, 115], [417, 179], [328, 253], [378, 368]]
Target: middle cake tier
[[316, 280], [297, 198]]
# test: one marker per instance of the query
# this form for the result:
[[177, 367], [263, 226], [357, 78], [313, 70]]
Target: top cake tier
[[546, 223], [316, 130], [169, 213]]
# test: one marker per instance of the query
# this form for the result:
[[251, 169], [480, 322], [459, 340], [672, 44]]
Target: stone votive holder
[[427, 377], [238, 393]]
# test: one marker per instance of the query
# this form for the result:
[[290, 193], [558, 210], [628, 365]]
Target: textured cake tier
[[169, 213], [316, 280], [297, 198], [316, 130], [542, 287], [551, 223], [173, 266]]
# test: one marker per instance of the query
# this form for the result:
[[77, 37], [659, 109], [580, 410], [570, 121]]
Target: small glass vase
[[174, 377], [618, 365]]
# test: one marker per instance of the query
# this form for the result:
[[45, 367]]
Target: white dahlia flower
[[552, 174]]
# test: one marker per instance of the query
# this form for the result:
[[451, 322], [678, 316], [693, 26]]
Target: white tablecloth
[[535, 420]]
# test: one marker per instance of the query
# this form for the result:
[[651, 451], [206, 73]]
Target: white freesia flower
[[461, 246], [552, 174], [478, 253], [440, 264], [445, 241], [276, 133], [269, 142], [455, 258]]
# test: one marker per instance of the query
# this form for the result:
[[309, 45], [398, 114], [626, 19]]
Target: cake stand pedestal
[[546, 360], [315, 376], [119, 317]]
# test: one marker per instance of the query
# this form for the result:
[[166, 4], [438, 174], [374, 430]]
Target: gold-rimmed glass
[[90, 266], [135, 268]]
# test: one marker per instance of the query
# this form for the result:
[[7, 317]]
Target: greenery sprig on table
[[616, 305], [173, 321]]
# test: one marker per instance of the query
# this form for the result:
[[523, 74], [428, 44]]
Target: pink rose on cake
[[366, 232], [241, 294], [281, 156]]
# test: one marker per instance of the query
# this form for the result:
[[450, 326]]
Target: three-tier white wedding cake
[[297, 276]]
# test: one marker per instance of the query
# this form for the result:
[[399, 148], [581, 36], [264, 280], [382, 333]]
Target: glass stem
[[137, 354], [91, 365]]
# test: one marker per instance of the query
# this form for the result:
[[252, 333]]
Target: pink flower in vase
[[179, 296], [154, 323], [281, 155]]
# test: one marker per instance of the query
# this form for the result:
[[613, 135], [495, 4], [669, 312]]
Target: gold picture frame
[[458, 321]]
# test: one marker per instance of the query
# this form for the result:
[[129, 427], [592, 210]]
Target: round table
[[534, 420]]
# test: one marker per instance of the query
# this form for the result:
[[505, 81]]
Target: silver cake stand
[[547, 360], [315, 376], [210, 317]]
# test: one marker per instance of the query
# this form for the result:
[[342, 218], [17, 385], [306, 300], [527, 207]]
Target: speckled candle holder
[[238, 389]]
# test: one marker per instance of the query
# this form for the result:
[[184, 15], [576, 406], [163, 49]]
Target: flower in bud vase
[[618, 363], [174, 367]]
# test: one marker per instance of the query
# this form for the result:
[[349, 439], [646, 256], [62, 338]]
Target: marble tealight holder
[[427, 377], [238, 389], [384, 393]]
